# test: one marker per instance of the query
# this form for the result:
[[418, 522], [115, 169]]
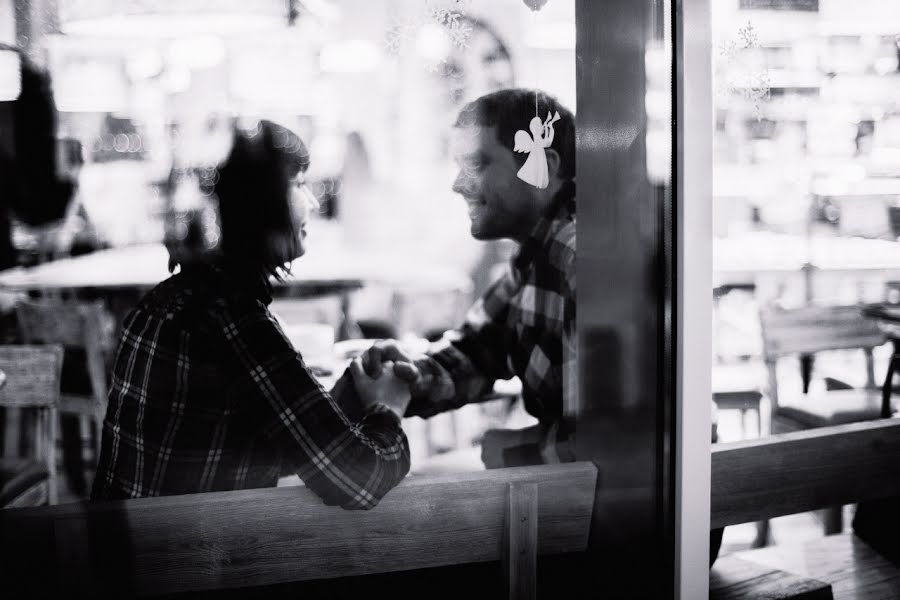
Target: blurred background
[[144, 88], [145, 93], [806, 217]]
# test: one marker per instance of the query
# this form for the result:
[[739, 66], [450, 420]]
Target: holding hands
[[388, 355], [385, 388]]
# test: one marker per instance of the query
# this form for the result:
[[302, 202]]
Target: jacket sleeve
[[463, 366], [348, 464]]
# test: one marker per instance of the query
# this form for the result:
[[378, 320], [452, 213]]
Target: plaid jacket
[[524, 325], [208, 394]]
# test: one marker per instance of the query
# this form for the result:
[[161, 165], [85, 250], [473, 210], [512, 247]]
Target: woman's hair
[[257, 231]]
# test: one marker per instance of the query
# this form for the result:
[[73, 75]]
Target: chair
[[737, 381], [804, 332], [738, 387], [83, 326], [32, 381], [430, 306]]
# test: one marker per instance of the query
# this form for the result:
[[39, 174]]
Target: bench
[[267, 537], [798, 472], [263, 537]]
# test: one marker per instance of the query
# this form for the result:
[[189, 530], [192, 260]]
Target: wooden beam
[[228, 540], [796, 472], [521, 541]]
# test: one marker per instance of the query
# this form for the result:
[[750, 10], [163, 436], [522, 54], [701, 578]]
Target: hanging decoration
[[534, 171], [535, 5], [446, 17], [736, 73]]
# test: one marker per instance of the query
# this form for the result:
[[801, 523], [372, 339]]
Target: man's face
[[500, 204]]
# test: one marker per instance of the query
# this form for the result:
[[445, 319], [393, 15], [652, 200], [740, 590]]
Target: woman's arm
[[349, 464]]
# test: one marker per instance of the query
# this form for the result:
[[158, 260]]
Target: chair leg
[[98, 438], [73, 461], [763, 535], [833, 520], [52, 420]]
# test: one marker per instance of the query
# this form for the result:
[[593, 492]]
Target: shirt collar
[[561, 209], [256, 287]]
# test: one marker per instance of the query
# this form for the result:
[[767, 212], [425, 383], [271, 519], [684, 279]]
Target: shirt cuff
[[382, 410]]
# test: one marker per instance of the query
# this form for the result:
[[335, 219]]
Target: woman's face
[[303, 203]]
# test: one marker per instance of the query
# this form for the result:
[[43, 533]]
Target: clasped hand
[[385, 389], [388, 355]]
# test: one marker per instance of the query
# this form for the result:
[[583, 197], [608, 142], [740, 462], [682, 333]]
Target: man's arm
[[559, 440], [570, 341], [462, 367], [351, 465]]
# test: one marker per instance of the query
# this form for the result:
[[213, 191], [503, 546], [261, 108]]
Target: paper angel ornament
[[535, 5], [534, 171]]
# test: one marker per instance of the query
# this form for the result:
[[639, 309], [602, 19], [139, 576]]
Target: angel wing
[[523, 142]]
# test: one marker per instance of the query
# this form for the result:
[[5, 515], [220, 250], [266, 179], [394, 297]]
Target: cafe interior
[[799, 293]]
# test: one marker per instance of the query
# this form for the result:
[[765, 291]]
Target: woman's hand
[[387, 389]]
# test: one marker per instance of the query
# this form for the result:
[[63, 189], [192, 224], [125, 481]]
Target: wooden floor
[[734, 578], [854, 570]]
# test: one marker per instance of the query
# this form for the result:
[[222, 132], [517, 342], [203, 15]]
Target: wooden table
[[767, 260], [144, 266], [330, 267]]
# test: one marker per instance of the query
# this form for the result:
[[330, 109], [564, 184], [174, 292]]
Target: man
[[524, 324]]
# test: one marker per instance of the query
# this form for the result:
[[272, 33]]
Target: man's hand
[[404, 367], [386, 389]]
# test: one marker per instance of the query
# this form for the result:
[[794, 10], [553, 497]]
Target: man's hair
[[255, 198], [511, 110]]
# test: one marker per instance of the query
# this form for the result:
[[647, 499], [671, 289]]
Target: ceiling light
[[170, 18], [197, 52], [350, 56]]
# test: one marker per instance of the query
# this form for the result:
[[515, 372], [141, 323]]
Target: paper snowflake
[[400, 34], [449, 14], [443, 11], [736, 77]]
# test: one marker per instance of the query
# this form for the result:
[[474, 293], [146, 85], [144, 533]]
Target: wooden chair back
[[81, 325], [812, 329], [32, 376], [428, 308], [32, 381], [228, 540]]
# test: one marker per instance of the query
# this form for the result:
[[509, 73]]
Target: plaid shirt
[[524, 325], [208, 394]]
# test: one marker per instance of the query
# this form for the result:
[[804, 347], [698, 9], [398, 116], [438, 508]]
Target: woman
[[207, 392]]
